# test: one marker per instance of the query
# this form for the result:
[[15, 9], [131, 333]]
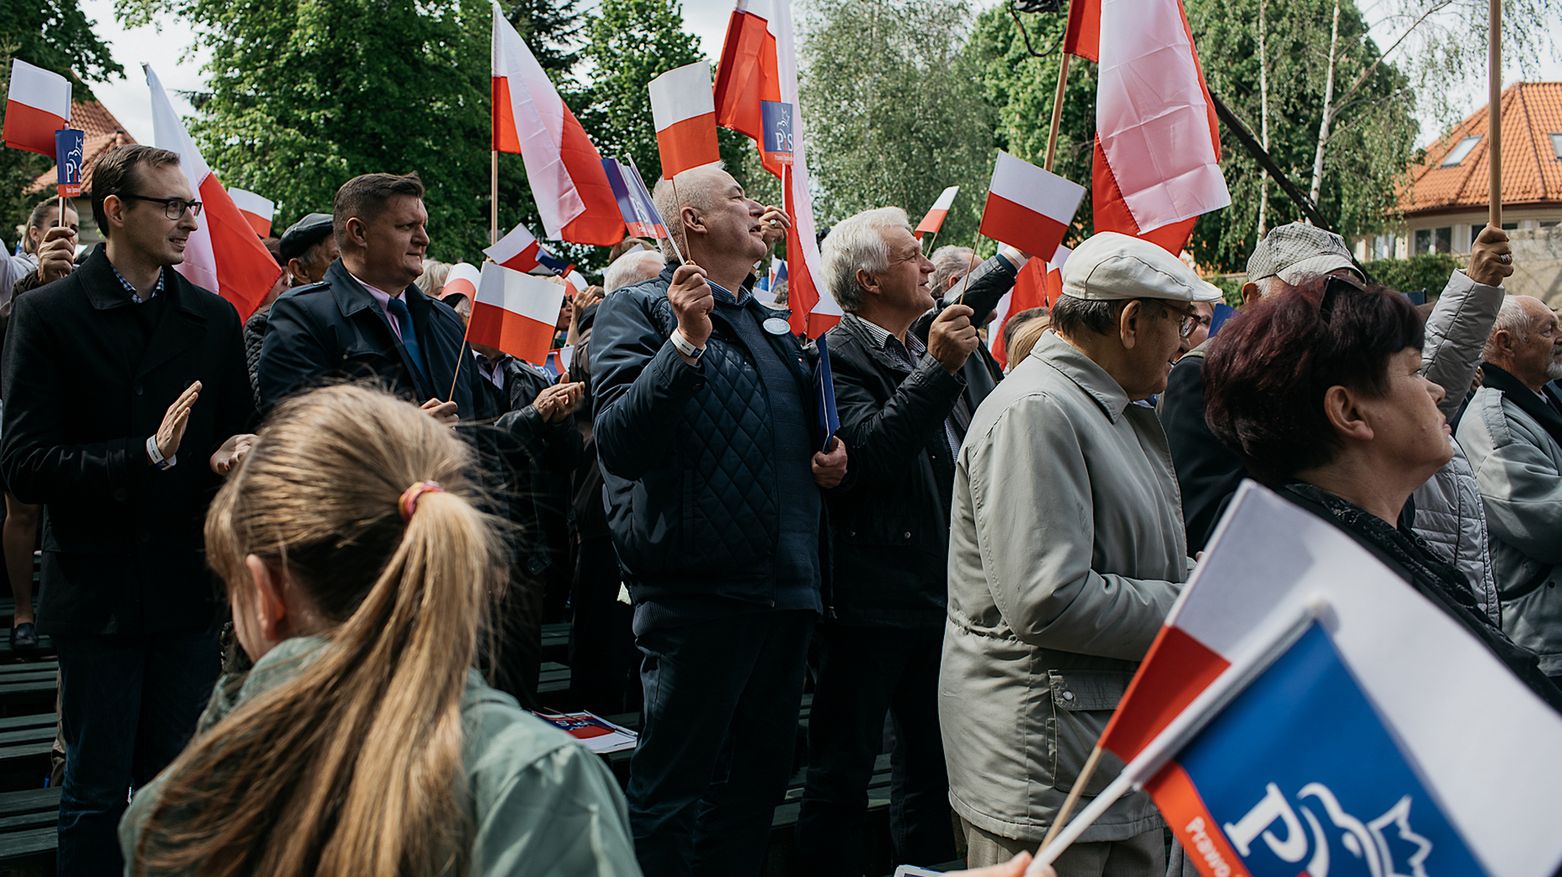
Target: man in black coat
[[125, 388], [907, 378], [366, 319]]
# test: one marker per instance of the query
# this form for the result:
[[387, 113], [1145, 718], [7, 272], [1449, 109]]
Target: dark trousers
[[128, 705], [864, 673], [721, 705], [602, 657]]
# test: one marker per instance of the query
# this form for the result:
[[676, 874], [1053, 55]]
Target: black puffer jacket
[[686, 452], [890, 518]]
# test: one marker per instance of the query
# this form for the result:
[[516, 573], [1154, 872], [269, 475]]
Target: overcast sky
[[169, 50]]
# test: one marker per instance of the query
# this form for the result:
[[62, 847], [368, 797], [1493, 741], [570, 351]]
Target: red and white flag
[[563, 168], [37, 104], [684, 112], [1028, 207], [223, 253], [1038, 285], [462, 280], [577, 281], [934, 220], [256, 209], [759, 66], [515, 313], [1157, 152], [519, 251]]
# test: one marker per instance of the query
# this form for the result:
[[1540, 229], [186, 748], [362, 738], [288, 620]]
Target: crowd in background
[[296, 567]]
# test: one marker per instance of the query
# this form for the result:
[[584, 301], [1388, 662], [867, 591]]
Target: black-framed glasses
[[173, 208]]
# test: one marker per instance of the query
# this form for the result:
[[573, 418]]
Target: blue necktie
[[409, 336]]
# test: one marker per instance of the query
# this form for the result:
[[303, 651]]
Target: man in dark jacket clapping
[[705, 424], [908, 375]]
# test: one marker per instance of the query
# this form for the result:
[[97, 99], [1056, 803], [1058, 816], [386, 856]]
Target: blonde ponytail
[[352, 766]]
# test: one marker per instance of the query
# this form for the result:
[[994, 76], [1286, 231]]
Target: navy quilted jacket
[[690, 487]]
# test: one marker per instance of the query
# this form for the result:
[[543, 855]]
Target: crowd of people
[[296, 567]]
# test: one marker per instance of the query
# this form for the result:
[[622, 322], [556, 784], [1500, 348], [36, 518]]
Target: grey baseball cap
[[1296, 250]]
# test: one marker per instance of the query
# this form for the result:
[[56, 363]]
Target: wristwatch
[[163, 464], [686, 347]]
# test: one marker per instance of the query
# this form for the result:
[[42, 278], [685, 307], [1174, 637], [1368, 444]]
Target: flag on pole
[[257, 210], [515, 312], [1038, 285], [759, 65], [634, 200], [1278, 749], [684, 112], [519, 251], [462, 280], [69, 158], [934, 220], [563, 168], [1156, 166], [37, 104], [1029, 208], [223, 254]]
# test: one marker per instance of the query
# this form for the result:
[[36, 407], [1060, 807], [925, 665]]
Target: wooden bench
[[555, 642], [25, 746], [28, 686], [29, 821], [781, 860]]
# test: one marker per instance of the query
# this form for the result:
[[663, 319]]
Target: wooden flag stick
[[1057, 109], [450, 396], [1073, 795], [1494, 109], [493, 199], [672, 182]]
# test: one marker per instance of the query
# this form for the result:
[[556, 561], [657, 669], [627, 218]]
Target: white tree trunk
[[1263, 118], [1328, 105]]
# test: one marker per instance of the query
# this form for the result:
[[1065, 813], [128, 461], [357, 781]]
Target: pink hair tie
[[409, 497]]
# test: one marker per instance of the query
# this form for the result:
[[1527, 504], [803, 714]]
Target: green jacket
[[542, 804]]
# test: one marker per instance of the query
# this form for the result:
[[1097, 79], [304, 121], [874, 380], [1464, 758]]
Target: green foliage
[[1425, 273], [55, 35], [894, 110], [1367, 153]]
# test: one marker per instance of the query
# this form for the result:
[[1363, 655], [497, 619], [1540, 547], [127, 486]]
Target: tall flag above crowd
[[1156, 166], [257, 210], [563, 167], [37, 104], [756, 83], [1282, 721], [223, 253]]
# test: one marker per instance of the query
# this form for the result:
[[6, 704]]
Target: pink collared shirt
[[382, 298]]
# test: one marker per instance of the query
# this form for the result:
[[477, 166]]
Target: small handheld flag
[[462, 280], [1028, 207], [515, 312], [69, 148], [634, 200], [257, 211], [934, 220], [829, 417], [776, 146], [519, 251], [37, 104], [684, 112]]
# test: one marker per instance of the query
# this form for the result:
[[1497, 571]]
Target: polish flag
[[1029, 208], [759, 66], [257, 210], [934, 220], [462, 280], [1038, 285], [519, 251], [37, 104], [577, 281], [1157, 152], [515, 313], [684, 113], [223, 253], [563, 168]]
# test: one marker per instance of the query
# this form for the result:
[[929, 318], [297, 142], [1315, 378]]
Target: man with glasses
[[1066, 551], [122, 382]]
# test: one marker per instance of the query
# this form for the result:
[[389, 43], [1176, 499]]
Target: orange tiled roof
[[102, 131], [1531, 171]]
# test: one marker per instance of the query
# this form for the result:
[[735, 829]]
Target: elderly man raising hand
[[1066, 552]]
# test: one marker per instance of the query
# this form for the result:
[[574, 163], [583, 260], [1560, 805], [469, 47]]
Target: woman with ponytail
[[362, 742]]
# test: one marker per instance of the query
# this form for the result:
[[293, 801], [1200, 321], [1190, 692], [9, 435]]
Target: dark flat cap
[[303, 234]]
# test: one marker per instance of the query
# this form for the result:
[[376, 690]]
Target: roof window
[[1461, 151]]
